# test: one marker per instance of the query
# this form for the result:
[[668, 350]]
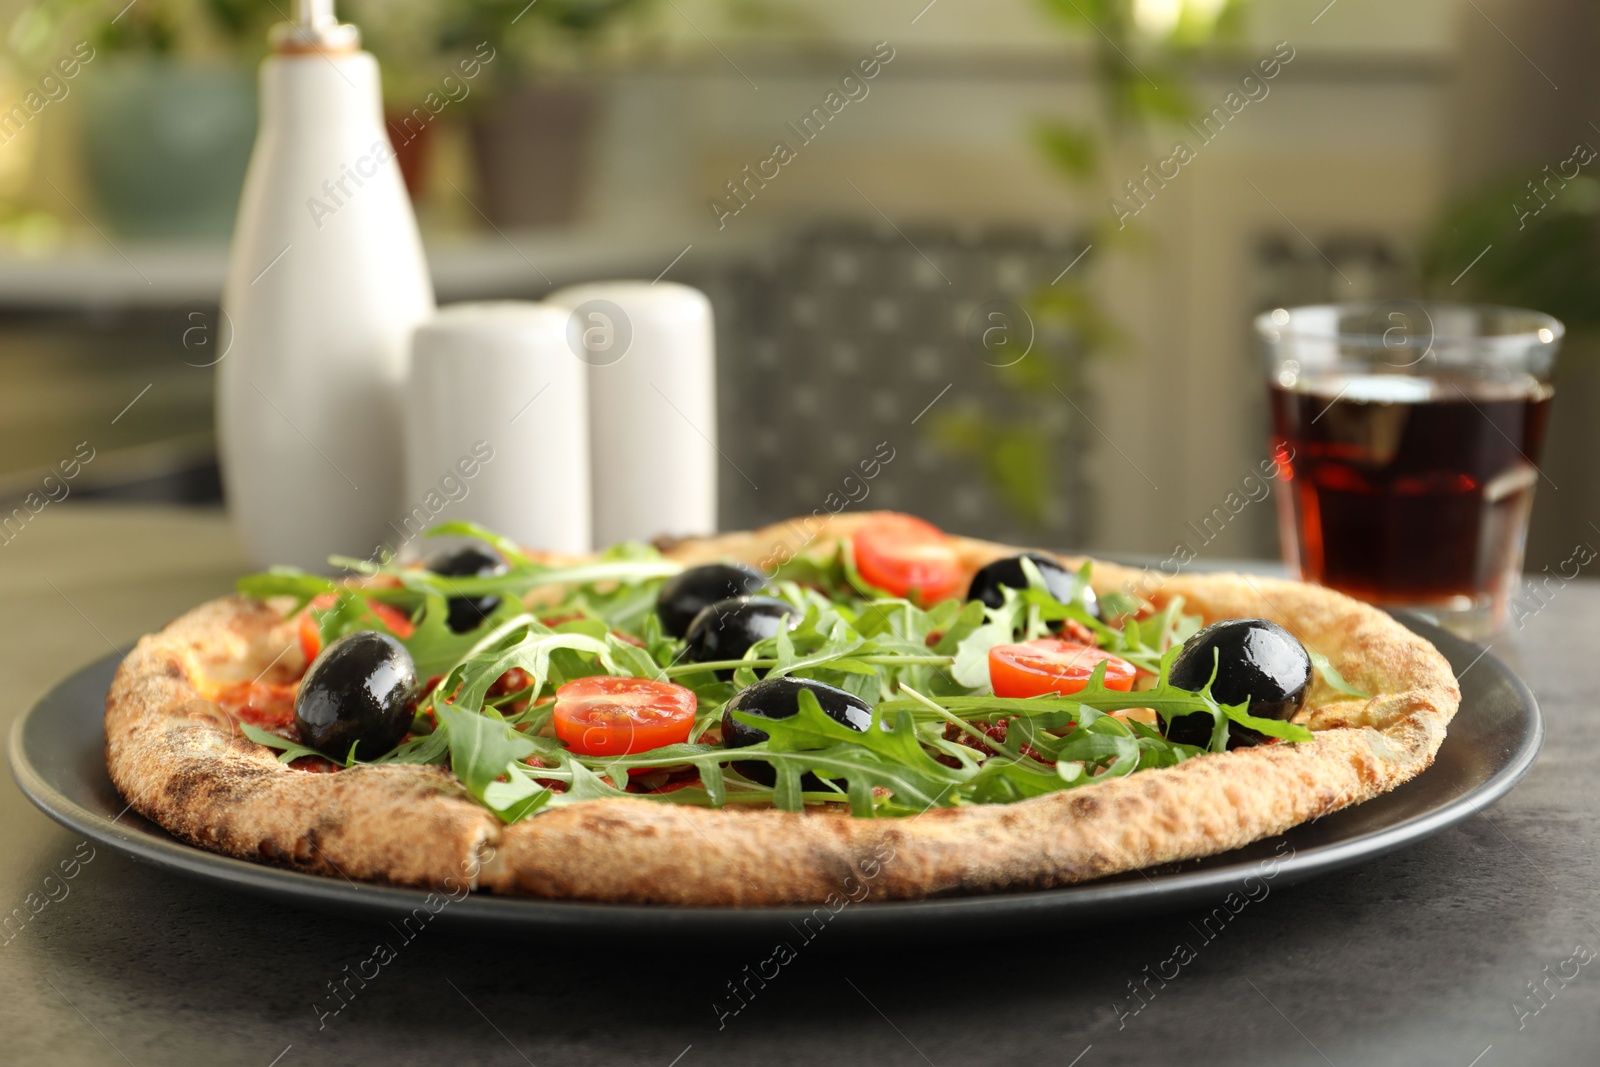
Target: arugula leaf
[[1333, 677], [584, 784], [971, 668], [853, 666], [423, 748], [288, 751], [1145, 643], [435, 648], [631, 659], [1284, 731], [825, 573], [524, 643], [351, 612], [1107, 741], [1167, 700], [882, 617], [1115, 605], [891, 756], [958, 629], [518, 796], [285, 581], [711, 780], [484, 747], [509, 550], [609, 584], [840, 644], [1006, 779], [516, 582]]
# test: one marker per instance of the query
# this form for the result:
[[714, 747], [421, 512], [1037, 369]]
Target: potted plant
[[533, 128], [169, 110], [1018, 439]]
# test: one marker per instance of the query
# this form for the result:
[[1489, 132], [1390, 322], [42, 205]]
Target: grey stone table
[[1427, 956]]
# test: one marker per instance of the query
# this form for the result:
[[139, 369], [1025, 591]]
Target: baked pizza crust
[[180, 761]]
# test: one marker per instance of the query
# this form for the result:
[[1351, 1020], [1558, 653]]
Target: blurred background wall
[[971, 175]]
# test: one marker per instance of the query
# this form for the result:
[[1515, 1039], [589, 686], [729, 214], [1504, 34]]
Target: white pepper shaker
[[497, 427], [650, 352]]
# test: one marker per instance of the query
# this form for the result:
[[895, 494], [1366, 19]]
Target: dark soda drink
[[1406, 489]]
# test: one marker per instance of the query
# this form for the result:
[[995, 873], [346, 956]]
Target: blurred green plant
[[220, 29], [244, 22], [153, 28], [413, 39], [1550, 261], [550, 34], [1019, 444], [418, 40]]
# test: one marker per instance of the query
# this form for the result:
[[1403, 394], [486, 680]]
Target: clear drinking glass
[[1408, 437]]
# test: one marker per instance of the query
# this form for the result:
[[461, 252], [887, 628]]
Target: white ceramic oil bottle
[[326, 280]]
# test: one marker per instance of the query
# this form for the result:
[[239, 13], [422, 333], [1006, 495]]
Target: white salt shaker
[[497, 427], [652, 405]]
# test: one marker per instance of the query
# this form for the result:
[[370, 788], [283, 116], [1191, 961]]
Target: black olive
[[1255, 660], [685, 595], [779, 698], [726, 629], [468, 561], [1058, 581], [358, 690]]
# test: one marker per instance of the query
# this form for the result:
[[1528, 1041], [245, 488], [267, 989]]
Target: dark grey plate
[[58, 758]]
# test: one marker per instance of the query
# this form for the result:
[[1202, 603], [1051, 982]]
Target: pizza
[[856, 705]]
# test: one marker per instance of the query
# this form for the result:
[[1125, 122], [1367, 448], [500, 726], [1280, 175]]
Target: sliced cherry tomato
[[606, 716], [1050, 665], [398, 622], [901, 554], [311, 635]]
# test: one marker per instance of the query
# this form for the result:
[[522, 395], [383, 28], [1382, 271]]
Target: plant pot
[[532, 148], [166, 144], [413, 152]]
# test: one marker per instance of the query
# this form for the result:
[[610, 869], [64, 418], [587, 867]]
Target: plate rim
[[1165, 890]]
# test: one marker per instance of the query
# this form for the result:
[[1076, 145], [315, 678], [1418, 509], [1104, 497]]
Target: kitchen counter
[[1426, 956]]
